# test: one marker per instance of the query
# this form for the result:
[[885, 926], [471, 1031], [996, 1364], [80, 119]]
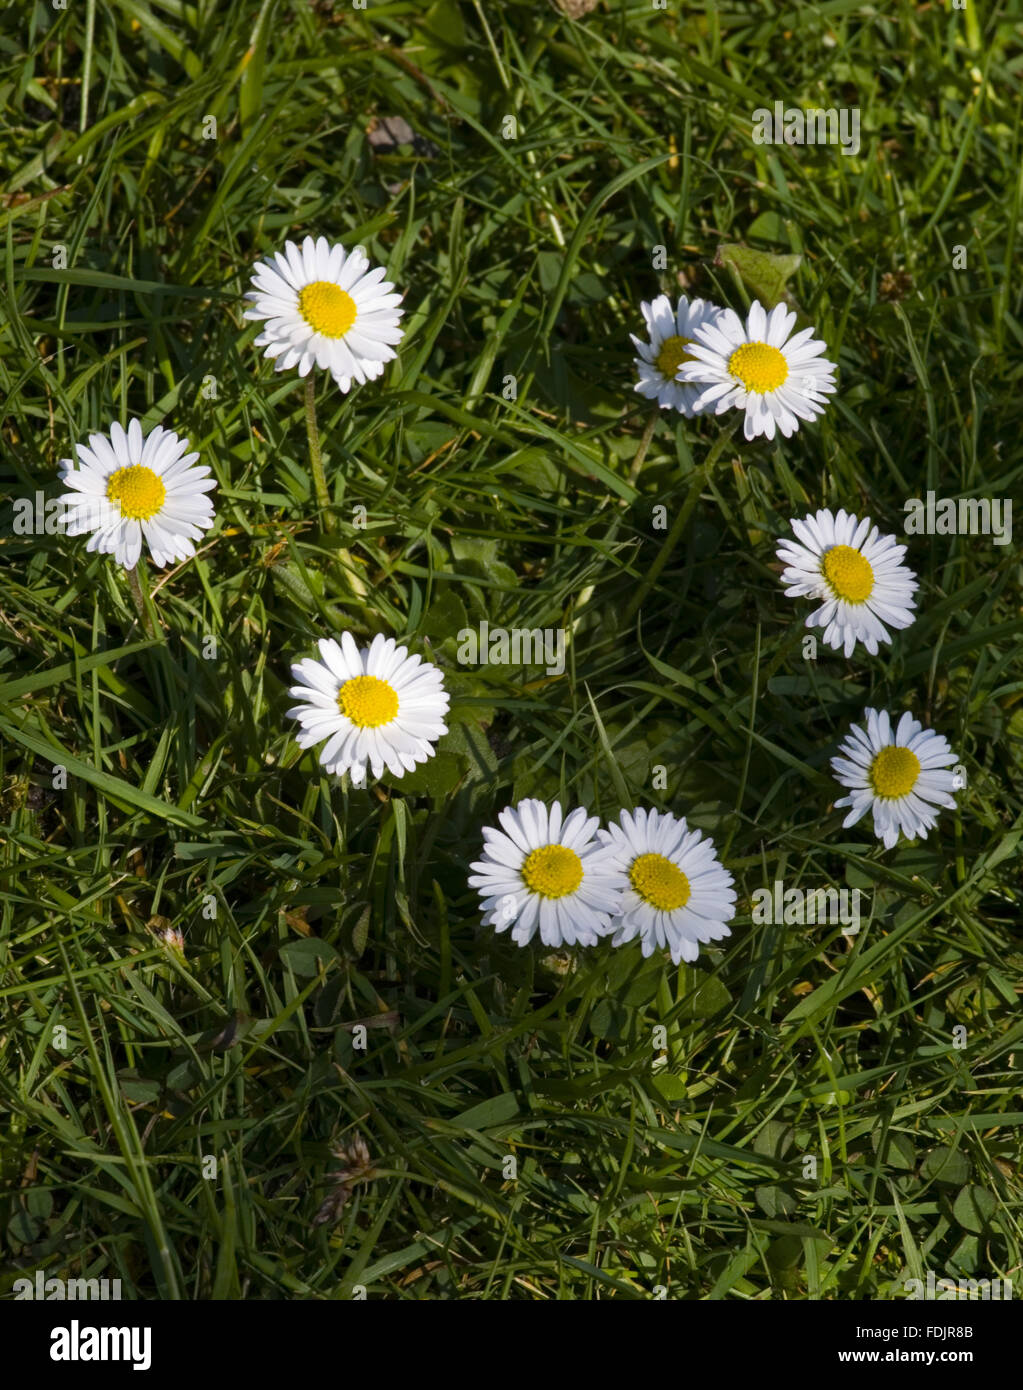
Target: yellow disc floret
[[368, 701], [659, 882], [759, 367], [327, 309], [137, 491], [848, 573], [893, 772], [553, 871], [674, 351]]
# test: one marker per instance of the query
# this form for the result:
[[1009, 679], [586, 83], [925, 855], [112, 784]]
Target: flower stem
[[140, 596], [644, 445], [315, 457]]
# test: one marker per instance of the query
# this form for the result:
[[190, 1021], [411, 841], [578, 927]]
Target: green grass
[[186, 795]]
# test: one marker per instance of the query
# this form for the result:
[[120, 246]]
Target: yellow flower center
[[659, 882], [848, 573], [553, 871], [893, 772], [674, 351], [759, 367], [137, 491], [326, 309], [368, 701]]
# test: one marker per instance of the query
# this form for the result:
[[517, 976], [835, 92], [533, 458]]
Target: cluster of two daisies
[[901, 773], [701, 357], [322, 307]]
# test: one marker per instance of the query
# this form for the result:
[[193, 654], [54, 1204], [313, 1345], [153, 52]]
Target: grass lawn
[[802, 1113]]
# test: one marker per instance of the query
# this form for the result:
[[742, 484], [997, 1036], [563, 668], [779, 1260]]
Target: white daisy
[[128, 487], [326, 307], [671, 334], [858, 572], [901, 777], [678, 892], [549, 871], [758, 368], [376, 706]]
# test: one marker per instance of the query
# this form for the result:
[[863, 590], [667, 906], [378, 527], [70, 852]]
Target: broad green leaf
[[947, 1166], [306, 955], [973, 1208], [765, 275]]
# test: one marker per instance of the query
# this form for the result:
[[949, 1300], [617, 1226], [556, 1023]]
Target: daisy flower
[[324, 306], [128, 487], [671, 334], [678, 892], [856, 571], [901, 777], [758, 368], [376, 707], [545, 869]]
